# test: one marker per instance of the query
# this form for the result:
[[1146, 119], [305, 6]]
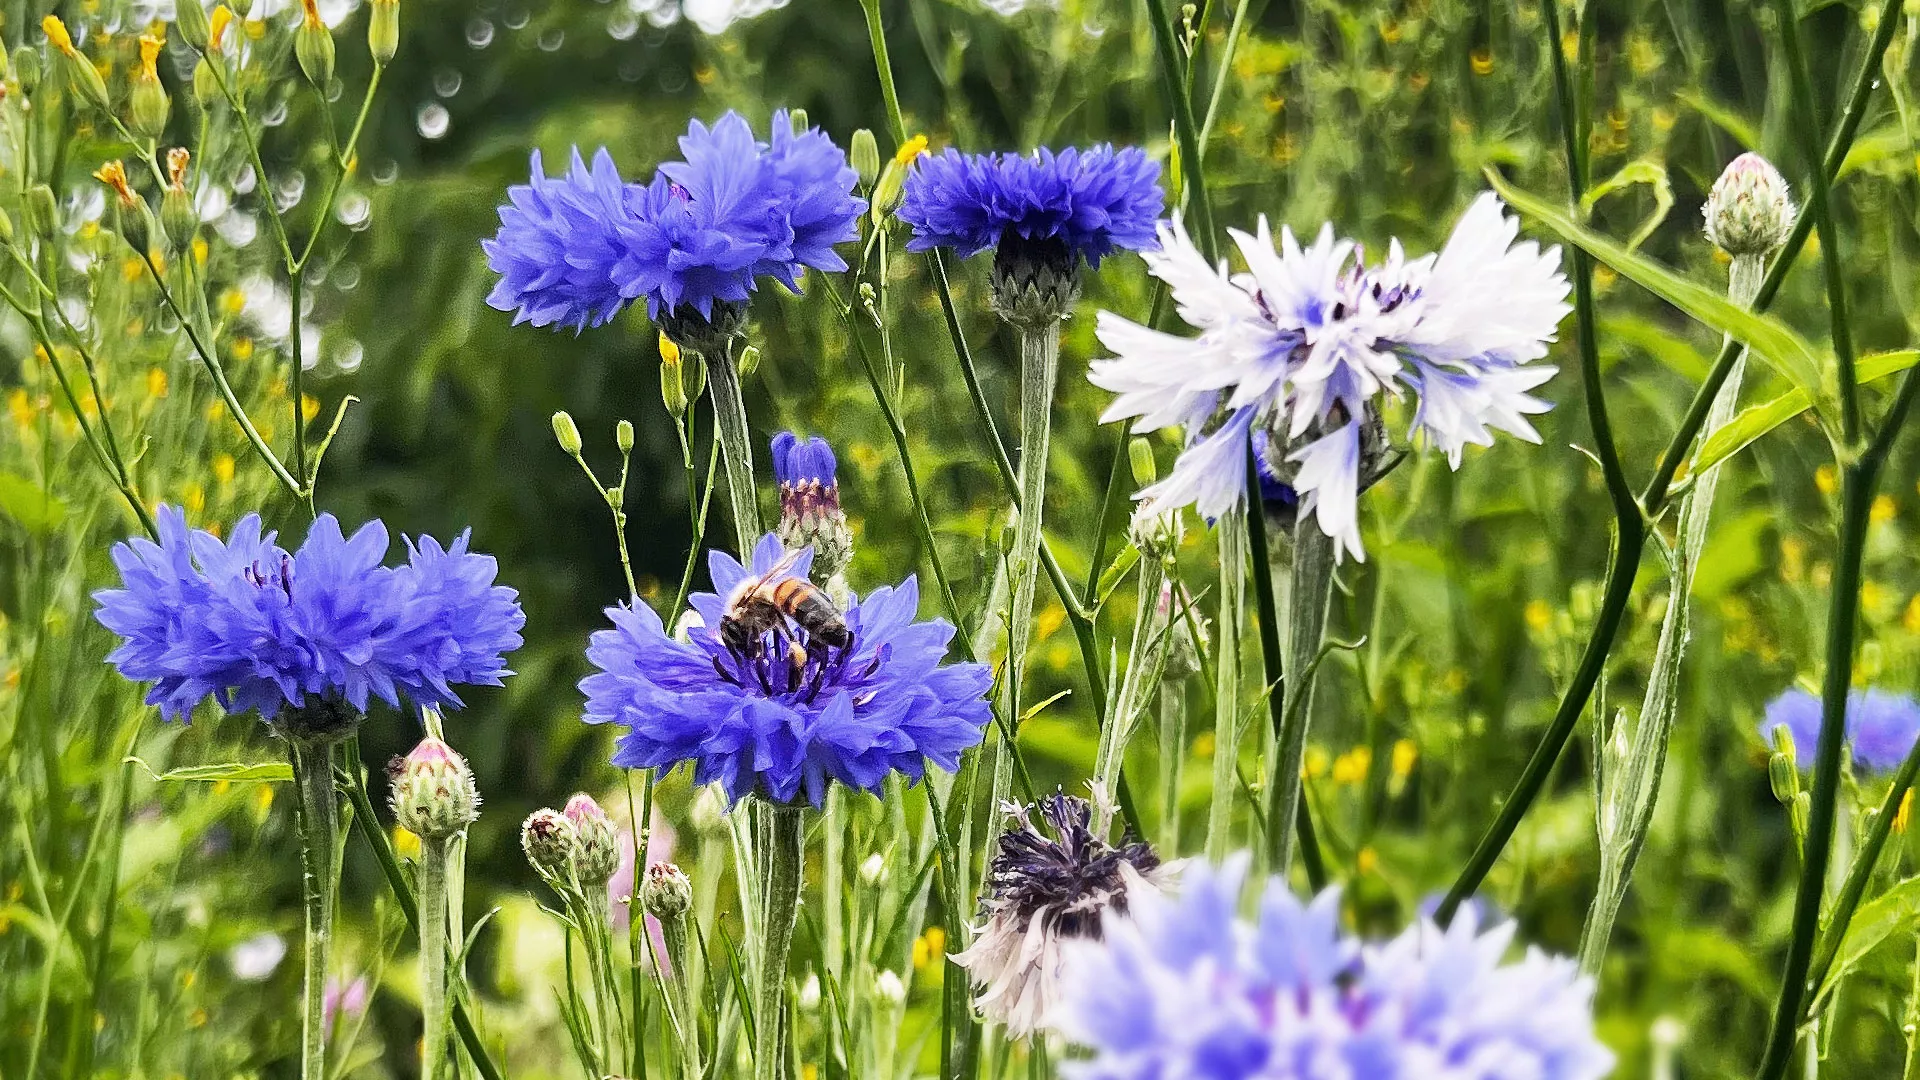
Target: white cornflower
[[1306, 342]]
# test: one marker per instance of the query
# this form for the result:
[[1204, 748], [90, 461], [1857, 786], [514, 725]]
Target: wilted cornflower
[[1308, 341], [1044, 214], [303, 637], [781, 708], [1881, 726], [1047, 885], [694, 241], [1182, 987], [810, 514]]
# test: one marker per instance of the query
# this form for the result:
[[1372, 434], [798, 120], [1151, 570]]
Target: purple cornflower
[[1881, 726], [694, 241], [1048, 884], [1308, 342], [254, 627], [788, 705], [810, 514], [1044, 214], [1180, 986]]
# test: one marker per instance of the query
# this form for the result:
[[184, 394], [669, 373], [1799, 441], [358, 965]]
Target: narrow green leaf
[[1892, 911], [1651, 173], [238, 772], [1725, 118], [1768, 338], [1757, 420]]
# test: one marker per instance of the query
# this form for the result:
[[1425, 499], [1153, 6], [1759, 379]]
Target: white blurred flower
[[255, 959]]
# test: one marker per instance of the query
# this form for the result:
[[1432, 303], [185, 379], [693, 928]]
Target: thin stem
[[877, 38], [432, 881], [1860, 873], [1173, 82], [1806, 126], [736, 447], [1232, 535], [699, 527], [319, 836], [1309, 596], [298, 374], [1224, 66], [784, 842], [1039, 368]]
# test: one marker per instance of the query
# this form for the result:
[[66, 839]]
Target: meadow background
[[128, 905]]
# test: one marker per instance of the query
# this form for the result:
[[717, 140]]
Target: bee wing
[[783, 567]]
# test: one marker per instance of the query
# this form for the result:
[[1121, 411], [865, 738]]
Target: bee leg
[[723, 672]]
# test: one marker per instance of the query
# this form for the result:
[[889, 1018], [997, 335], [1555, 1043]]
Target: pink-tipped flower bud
[[433, 792], [1750, 210], [667, 893], [550, 842], [596, 844]]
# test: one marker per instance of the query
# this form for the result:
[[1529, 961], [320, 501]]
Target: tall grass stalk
[[1039, 369], [1232, 535], [319, 841]]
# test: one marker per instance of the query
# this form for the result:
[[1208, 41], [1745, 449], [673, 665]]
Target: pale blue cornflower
[[1180, 986], [1881, 726], [1308, 342]]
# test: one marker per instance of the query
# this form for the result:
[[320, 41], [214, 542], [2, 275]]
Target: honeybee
[[762, 602]]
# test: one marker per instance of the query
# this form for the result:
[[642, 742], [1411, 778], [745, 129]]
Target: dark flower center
[[282, 577], [1064, 873], [790, 660]]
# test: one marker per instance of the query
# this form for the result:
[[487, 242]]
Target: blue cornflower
[[1881, 726], [1044, 214], [1275, 492], [792, 708], [1310, 341], [253, 627], [694, 241], [1180, 986]]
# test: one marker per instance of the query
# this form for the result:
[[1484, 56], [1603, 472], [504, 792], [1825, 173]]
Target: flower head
[[770, 704], [1750, 210], [254, 627], [1047, 885], [1310, 339], [341, 998], [1881, 726], [1043, 214], [810, 514], [434, 796], [701, 233], [1182, 987]]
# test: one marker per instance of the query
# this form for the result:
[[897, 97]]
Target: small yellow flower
[[1883, 509], [910, 150], [223, 467], [1404, 755], [242, 350], [405, 844], [150, 46], [232, 302], [930, 947], [1911, 620], [669, 351], [262, 793], [1352, 767], [20, 407], [197, 1018], [1367, 861], [222, 786], [188, 978], [114, 175], [195, 499], [217, 26], [1904, 815], [199, 251], [1826, 479], [1313, 765], [1203, 744], [309, 407], [57, 35], [1482, 60], [1793, 559], [809, 1071], [1539, 616]]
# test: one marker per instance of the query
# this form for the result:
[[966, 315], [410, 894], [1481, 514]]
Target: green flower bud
[[865, 153], [6, 228], [383, 31], [1140, 458], [177, 214], [799, 118], [191, 20], [749, 360], [26, 67], [667, 893], [433, 792], [548, 839], [623, 436], [695, 376], [1750, 210], [313, 47], [1801, 811], [596, 853], [206, 82], [673, 392], [43, 210], [1783, 777], [566, 432]]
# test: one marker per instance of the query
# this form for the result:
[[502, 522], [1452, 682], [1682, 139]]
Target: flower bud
[[865, 154], [1783, 777], [695, 377], [888, 988], [893, 180], [709, 809], [623, 436], [383, 31], [799, 119], [566, 432], [433, 795], [191, 20], [6, 228], [206, 82], [26, 67], [313, 46], [217, 24], [1783, 742], [136, 223], [810, 514], [177, 214], [1140, 459], [1750, 210], [82, 76], [873, 871], [147, 105], [596, 846], [549, 841], [673, 391], [667, 893], [749, 360], [43, 210], [1800, 812]]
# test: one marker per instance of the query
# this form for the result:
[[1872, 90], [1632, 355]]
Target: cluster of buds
[[577, 848], [683, 377], [1783, 775], [434, 796], [1750, 210], [810, 514]]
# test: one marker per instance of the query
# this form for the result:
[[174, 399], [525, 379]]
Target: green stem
[[432, 882], [1232, 530], [1860, 873], [298, 375], [783, 843], [736, 447], [319, 836], [1309, 596], [877, 38], [1173, 82], [685, 1015], [1039, 368]]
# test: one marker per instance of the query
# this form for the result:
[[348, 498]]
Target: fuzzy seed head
[[433, 791], [1750, 210]]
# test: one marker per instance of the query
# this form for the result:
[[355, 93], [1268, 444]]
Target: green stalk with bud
[[434, 798]]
